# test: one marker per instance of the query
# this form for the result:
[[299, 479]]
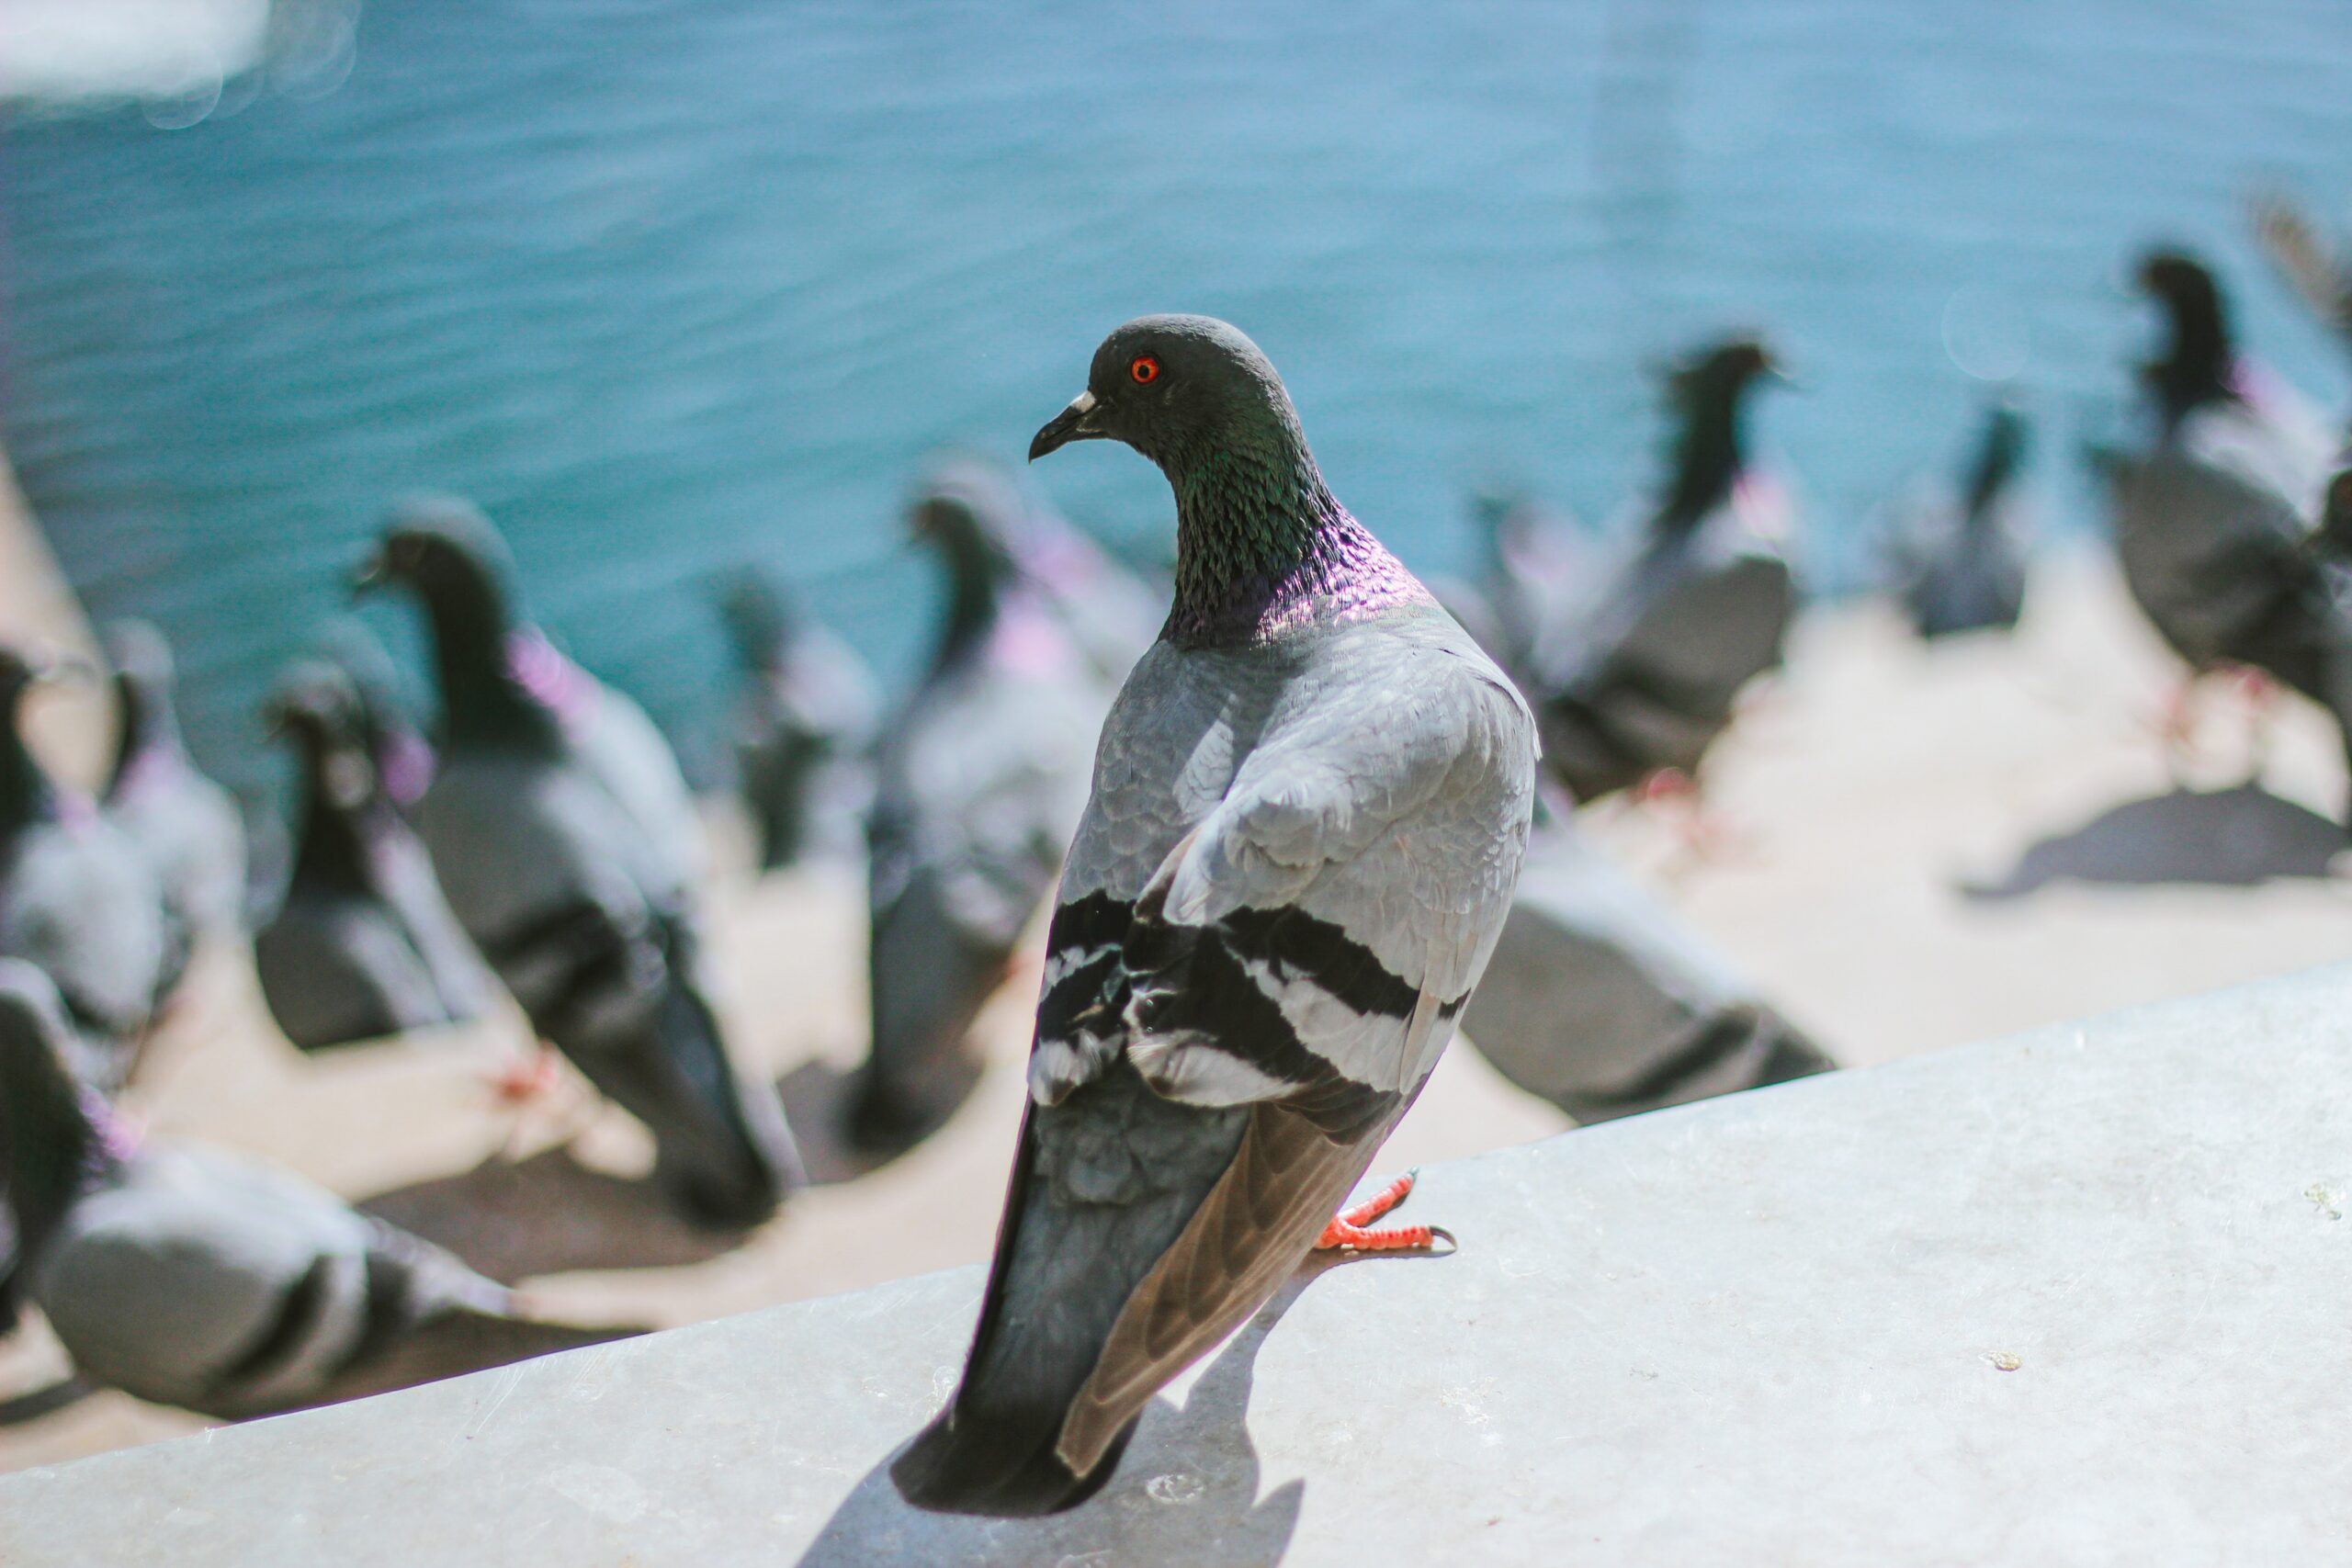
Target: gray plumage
[[187, 826], [1961, 550], [362, 944], [1647, 676], [1604, 1002], [1309, 805], [194, 1277], [1536, 569], [805, 717], [980, 779], [568, 847], [80, 900], [2213, 519]]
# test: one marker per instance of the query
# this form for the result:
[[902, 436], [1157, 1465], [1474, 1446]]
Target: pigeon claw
[[520, 1082], [1351, 1230]]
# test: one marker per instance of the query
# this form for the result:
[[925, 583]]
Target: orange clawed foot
[[1348, 1229]]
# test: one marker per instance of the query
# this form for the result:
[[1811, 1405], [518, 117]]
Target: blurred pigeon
[[1535, 570], [1600, 1000], [805, 716], [402, 755], [1646, 678], [569, 849], [981, 780], [2212, 520], [194, 1277], [2306, 259], [363, 944], [186, 825], [1108, 608], [1963, 556], [1308, 812], [79, 899]]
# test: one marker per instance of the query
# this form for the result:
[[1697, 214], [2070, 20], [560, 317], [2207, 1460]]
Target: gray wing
[[339, 971], [1217, 1060], [190, 830], [982, 783], [580, 914], [204, 1279], [1653, 677], [85, 908], [1602, 1000]]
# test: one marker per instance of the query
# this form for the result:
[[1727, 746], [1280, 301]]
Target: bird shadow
[[818, 1096], [1186, 1491], [548, 1214], [2239, 836]]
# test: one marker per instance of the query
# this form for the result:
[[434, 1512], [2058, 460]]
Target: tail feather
[[1103, 1185]]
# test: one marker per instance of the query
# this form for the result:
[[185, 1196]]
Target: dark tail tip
[[996, 1469]]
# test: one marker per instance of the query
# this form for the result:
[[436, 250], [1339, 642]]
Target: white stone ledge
[[2075, 1297]]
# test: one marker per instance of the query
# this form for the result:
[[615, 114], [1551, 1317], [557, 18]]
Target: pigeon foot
[[520, 1082], [1351, 1231]]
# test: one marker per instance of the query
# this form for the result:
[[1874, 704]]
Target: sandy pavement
[[1866, 793]]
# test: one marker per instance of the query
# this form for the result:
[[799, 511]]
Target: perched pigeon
[[1963, 556], [2212, 521], [1645, 679], [805, 717], [193, 1277], [1601, 1002], [80, 900], [1309, 808], [569, 849], [363, 944], [981, 780], [186, 825]]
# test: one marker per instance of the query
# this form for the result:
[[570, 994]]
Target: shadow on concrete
[[816, 1100], [2227, 838], [1187, 1491], [47, 1399], [548, 1214]]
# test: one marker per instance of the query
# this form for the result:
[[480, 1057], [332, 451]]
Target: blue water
[[670, 283]]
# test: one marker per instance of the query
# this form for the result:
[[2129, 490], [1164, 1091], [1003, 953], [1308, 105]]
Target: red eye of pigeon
[[1146, 370]]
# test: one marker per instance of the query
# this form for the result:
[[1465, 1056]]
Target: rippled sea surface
[[674, 283]]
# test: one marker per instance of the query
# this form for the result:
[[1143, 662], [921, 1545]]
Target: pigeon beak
[[372, 574], [1073, 423]]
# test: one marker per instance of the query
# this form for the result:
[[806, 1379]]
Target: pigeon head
[[760, 618], [50, 1137], [969, 513], [1178, 390], [1709, 390], [1260, 543], [315, 700], [446, 553], [2195, 364], [143, 678], [440, 546]]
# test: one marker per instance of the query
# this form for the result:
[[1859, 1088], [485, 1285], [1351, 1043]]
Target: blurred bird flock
[[1631, 327]]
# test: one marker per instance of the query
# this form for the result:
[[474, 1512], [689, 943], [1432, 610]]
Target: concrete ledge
[[2073, 1297]]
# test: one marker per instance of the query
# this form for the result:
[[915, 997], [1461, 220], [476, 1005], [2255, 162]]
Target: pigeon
[[981, 780], [79, 901], [194, 1277], [363, 945], [1534, 567], [1309, 806], [568, 847], [2306, 260], [1962, 557], [186, 823], [403, 756], [1601, 1002], [1645, 679], [805, 711], [2213, 520]]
